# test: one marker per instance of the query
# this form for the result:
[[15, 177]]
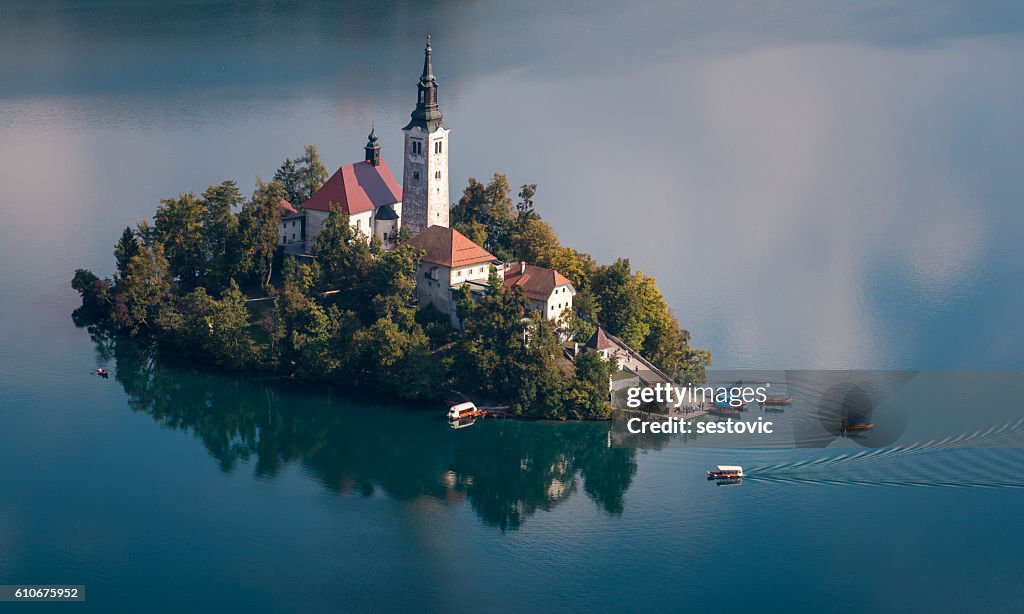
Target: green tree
[[524, 208], [619, 303], [146, 290], [588, 394], [311, 173], [289, 178], [220, 231], [127, 248], [302, 177], [541, 386], [347, 263], [178, 227], [258, 234], [490, 206], [95, 293]]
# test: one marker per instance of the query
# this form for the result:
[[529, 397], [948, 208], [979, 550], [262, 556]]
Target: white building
[[449, 261], [425, 176], [292, 228], [547, 292], [366, 191]]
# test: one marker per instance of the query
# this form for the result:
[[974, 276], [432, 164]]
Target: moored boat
[[463, 410], [778, 400], [723, 409]]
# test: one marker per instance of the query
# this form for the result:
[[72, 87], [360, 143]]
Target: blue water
[[813, 187]]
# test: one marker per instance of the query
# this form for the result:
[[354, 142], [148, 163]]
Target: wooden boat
[[726, 472], [853, 427], [462, 422], [723, 409], [463, 410], [103, 373], [778, 400]]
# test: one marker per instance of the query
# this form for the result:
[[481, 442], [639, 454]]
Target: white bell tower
[[425, 176]]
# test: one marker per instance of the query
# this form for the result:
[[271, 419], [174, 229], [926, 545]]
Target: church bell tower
[[425, 177]]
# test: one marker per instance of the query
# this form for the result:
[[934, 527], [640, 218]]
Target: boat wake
[[974, 458]]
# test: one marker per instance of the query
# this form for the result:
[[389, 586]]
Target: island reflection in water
[[506, 469]]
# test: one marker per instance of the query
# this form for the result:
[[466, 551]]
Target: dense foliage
[[208, 280], [627, 304]]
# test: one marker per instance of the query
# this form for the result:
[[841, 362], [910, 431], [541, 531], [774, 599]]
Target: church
[[377, 206], [366, 191]]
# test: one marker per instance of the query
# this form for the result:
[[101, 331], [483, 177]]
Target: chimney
[[522, 267]]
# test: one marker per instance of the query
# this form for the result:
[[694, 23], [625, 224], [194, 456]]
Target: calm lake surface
[[812, 188]]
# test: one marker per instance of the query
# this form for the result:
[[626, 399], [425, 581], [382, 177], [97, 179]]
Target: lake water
[[813, 188]]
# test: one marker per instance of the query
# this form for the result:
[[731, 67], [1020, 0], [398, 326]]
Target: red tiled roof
[[449, 247], [537, 282], [356, 188], [599, 341], [285, 208]]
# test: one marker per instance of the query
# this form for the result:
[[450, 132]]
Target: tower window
[[417, 146], [415, 174], [437, 146], [437, 175]]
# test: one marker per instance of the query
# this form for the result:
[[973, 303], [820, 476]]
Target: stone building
[[425, 176]]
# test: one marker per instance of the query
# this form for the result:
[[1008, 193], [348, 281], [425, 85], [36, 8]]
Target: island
[[354, 279]]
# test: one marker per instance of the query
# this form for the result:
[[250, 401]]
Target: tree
[[302, 177], [258, 233], [490, 206], [402, 361], [220, 231], [620, 306], [146, 290], [540, 386], [524, 207], [346, 261], [289, 178], [588, 394], [95, 293], [178, 227], [127, 248], [393, 281], [312, 334], [312, 172]]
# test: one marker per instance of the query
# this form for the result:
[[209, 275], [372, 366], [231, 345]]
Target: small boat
[[859, 425], [779, 400], [103, 373], [462, 422], [463, 410], [723, 410], [726, 472]]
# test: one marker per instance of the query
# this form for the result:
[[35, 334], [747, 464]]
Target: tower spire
[[427, 115], [372, 147], [428, 64]]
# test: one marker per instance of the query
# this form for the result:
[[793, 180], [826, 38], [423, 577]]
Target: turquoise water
[[864, 164]]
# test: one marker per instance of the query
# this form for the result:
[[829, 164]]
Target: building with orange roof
[[449, 261], [547, 291]]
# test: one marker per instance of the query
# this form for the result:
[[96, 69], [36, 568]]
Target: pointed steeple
[[428, 65], [373, 148], [427, 115]]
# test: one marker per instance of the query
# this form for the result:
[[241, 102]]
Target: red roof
[[356, 188], [285, 208], [599, 341], [537, 282], [449, 247]]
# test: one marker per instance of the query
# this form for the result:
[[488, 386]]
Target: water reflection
[[507, 470]]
